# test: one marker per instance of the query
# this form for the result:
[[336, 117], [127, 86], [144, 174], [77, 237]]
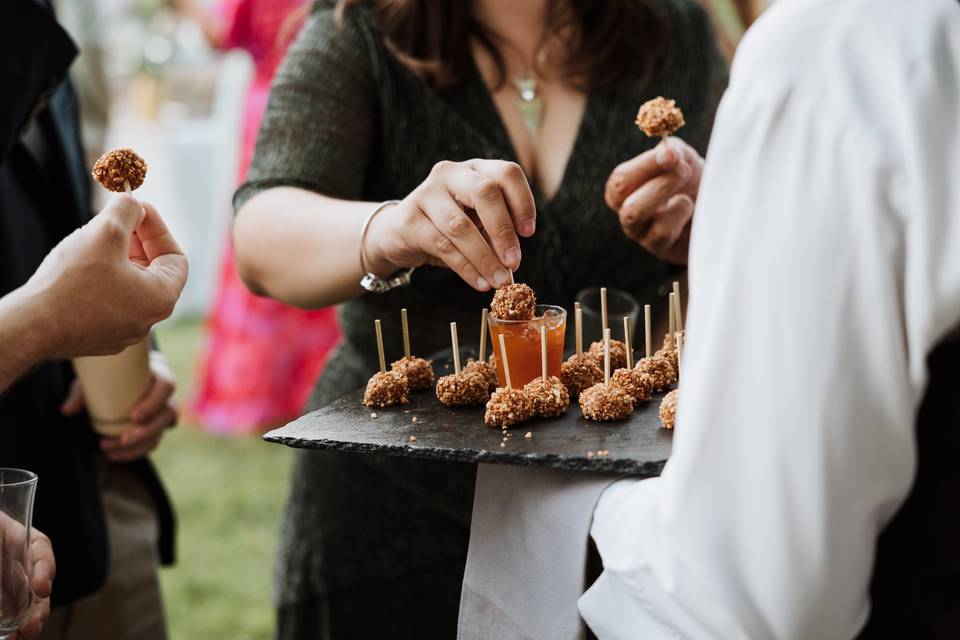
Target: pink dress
[[260, 357]]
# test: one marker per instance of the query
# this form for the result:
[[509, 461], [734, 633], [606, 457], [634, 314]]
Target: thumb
[[154, 235]]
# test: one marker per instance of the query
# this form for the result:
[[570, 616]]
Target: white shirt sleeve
[[825, 266]]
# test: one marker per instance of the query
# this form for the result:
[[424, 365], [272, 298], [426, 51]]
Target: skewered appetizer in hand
[[549, 397], [668, 410], [618, 354], [464, 389], [419, 372], [115, 168], [487, 370], [604, 402], [635, 383], [580, 372], [660, 371], [659, 118], [508, 407], [514, 302], [386, 388]]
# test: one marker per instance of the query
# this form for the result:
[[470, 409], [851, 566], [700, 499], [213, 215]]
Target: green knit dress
[[375, 546]]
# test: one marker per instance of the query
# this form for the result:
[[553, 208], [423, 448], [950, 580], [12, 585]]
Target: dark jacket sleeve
[[35, 53]]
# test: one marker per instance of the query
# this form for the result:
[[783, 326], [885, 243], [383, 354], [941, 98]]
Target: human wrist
[[23, 333], [380, 233]]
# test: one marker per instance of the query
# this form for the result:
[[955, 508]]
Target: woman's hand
[[155, 413], [654, 195], [465, 215]]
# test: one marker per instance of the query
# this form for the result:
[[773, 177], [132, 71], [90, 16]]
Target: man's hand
[[153, 415], [654, 195], [107, 283], [44, 570]]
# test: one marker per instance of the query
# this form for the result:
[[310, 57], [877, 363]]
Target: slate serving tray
[[636, 446]]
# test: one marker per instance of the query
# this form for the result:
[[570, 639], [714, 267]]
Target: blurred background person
[[260, 357], [100, 500]]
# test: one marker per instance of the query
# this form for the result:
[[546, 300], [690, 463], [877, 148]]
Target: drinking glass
[[17, 488], [522, 338], [619, 304]]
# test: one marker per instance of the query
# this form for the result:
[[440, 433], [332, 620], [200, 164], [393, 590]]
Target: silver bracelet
[[371, 281]]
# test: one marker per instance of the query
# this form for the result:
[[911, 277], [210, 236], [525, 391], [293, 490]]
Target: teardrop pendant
[[529, 104]]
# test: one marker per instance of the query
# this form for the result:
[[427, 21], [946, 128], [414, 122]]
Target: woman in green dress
[[505, 132]]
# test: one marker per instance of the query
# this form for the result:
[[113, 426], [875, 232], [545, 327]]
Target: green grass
[[228, 493]]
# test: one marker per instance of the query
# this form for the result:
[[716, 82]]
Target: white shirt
[[825, 265]]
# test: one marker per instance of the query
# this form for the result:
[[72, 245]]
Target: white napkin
[[528, 553]]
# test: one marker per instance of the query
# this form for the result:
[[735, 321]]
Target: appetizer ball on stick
[[668, 410], [670, 357], [386, 387], [463, 389], [460, 388], [635, 383], [549, 397], [547, 394], [418, 371], [580, 372], [488, 372], [488, 369], [120, 170], [659, 118], [660, 371], [603, 401], [514, 302], [507, 406], [670, 342], [618, 354]]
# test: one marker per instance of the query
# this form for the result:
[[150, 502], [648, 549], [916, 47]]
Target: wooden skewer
[[543, 353], [578, 322], [406, 333], [647, 329], [383, 361], [606, 356], [676, 292], [672, 323], [679, 338], [626, 341], [483, 335], [506, 364], [126, 186], [603, 308], [512, 281], [456, 347]]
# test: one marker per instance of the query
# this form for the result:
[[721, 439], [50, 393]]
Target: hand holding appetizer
[[466, 216], [654, 193]]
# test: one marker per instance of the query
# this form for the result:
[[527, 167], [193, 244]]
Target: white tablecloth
[[528, 553]]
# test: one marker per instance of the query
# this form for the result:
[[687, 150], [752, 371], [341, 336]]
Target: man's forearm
[[21, 336]]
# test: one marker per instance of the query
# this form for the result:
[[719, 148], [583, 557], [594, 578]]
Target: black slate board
[[636, 446]]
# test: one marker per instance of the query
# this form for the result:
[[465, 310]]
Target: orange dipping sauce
[[523, 344]]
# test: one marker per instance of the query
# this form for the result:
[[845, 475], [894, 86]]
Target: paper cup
[[113, 385]]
